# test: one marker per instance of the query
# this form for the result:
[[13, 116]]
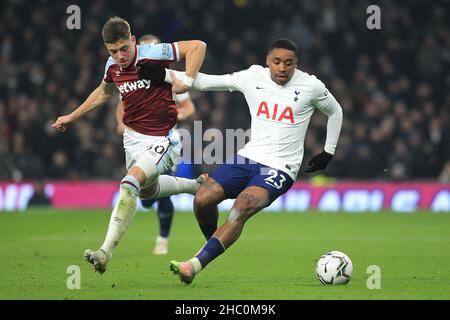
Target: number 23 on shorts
[[274, 179]]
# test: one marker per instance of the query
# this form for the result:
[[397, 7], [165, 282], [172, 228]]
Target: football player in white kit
[[281, 101]]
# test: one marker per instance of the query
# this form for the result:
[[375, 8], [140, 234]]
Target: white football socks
[[169, 185], [122, 215], [196, 264]]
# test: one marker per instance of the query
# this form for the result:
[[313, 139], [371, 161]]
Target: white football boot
[[99, 259], [161, 246]]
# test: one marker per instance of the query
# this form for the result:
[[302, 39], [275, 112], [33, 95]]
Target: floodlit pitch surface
[[274, 258]]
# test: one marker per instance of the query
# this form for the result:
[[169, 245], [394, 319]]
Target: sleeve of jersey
[[161, 51], [326, 102], [107, 76], [178, 98], [206, 82]]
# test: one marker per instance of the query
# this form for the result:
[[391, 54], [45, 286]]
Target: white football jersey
[[280, 114]]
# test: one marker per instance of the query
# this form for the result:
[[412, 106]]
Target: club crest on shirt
[[296, 95]]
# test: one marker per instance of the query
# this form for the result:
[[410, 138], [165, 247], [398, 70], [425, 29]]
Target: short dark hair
[[115, 29], [149, 37], [284, 44]]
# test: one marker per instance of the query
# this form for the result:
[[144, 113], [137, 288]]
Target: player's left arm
[[327, 103], [193, 51]]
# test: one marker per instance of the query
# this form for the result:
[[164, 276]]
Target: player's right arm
[[237, 81], [208, 82], [119, 117], [98, 97]]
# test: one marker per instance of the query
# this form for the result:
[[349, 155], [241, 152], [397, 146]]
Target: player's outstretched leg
[[122, 215], [165, 217], [206, 200], [168, 186], [143, 172], [164, 187], [249, 201]]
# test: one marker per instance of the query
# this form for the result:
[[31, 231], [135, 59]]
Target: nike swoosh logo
[[260, 88]]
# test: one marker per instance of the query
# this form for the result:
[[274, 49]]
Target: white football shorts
[[164, 150]]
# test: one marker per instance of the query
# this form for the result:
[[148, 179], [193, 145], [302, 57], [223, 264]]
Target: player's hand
[[177, 85], [319, 162], [151, 71], [62, 122]]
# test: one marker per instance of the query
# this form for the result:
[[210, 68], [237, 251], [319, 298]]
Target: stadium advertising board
[[343, 196]]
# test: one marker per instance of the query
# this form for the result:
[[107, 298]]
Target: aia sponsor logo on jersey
[[277, 113], [135, 85]]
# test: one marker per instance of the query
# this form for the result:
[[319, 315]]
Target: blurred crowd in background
[[393, 84]]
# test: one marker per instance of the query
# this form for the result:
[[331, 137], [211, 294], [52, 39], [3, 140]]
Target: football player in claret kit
[[149, 115], [165, 211], [281, 100]]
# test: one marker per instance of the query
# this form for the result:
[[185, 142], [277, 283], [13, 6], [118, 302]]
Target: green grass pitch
[[274, 258]]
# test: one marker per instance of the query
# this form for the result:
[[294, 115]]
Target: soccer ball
[[334, 267]]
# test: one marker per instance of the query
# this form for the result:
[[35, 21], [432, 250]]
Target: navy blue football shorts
[[239, 173]]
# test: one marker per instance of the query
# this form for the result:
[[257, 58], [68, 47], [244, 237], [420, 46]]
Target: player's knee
[[247, 206], [242, 211], [203, 199], [237, 216], [147, 168], [148, 193], [200, 202]]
